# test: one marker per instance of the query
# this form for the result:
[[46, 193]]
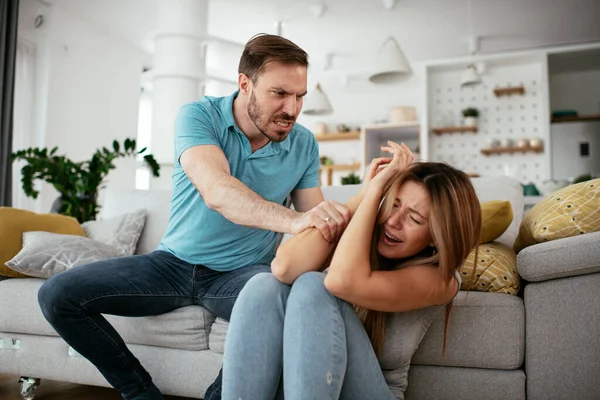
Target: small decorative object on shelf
[[326, 161], [535, 142], [470, 114], [507, 91], [320, 128], [512, 149], [343, 128], [454, 129]]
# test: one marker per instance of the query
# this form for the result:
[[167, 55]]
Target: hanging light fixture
[[316, 103], [391, 64], [470, 75]]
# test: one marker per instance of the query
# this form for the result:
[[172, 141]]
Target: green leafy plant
[[350, 179], [582, 178], [470, 112], [77, 182]]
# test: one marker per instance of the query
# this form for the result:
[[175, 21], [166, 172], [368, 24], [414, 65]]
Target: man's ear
[[245, 84]]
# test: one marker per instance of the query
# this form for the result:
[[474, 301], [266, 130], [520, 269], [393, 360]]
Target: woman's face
[[406, 232]]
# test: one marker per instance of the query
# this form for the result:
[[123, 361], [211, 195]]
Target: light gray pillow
[[45, 254], [121, 233]]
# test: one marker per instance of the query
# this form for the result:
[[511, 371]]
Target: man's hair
[[263, 49]]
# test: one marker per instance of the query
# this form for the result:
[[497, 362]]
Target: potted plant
[[350, 179], [470, 116], [77, 182]]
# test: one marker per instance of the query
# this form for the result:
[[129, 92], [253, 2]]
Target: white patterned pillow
[[122, 232], [45, 254]]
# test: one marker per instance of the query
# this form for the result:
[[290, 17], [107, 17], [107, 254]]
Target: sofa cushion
[[156, 203], [496, 270], [487, 330], [16, 221], [121, 232], [561, 258], [496, 216], [570, 211], [45, 254], [186, 328]]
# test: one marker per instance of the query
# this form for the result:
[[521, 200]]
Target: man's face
[[276, 99]]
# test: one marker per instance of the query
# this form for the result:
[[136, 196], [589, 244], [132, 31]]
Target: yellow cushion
[[16, 221], [496, 270], [496, 216], [570, 211]]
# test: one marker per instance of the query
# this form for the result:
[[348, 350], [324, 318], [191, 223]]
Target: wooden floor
[[52, 390]]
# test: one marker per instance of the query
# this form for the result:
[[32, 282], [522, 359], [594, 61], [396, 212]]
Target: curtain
[[9, 11], [22, 118]]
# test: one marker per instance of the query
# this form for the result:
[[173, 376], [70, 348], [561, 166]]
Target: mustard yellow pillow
[[496, 270], [15, 221], [570, 211], [496, 217]]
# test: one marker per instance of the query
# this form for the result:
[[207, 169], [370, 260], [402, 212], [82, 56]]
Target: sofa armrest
[[578, 255]]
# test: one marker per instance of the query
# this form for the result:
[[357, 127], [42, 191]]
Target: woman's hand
[[382, 173], [377, 164]]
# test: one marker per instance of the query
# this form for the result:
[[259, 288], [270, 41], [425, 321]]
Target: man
[[237, 159]]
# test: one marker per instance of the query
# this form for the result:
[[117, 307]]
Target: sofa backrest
[[157, 204]]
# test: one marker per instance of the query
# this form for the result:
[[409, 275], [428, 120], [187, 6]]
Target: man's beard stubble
[[258, 117]]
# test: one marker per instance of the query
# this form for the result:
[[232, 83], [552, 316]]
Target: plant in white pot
[[470, 116]]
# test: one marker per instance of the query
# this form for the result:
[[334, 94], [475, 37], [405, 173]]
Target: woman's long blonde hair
[[454, 223]]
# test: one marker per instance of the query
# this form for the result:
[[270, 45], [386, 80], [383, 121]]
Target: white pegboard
[[515, 117]]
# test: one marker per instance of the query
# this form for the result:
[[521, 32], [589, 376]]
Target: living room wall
[[86, 88]]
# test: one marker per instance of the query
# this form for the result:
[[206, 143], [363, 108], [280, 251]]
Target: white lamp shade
[[316, 103], [470, 76], [391, 64]]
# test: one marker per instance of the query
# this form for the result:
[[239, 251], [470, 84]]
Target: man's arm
[[208, 169]]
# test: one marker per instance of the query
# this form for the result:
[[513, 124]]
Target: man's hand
[[329, 217]]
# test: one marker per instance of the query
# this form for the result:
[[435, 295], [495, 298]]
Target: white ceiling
[[426, 29]]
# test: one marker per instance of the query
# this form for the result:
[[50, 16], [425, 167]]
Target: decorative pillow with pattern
[[14, 222], [496, 270], [45, 254], [570, 211], [496, 217], [121, 233]]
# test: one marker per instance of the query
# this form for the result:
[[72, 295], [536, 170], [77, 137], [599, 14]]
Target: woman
[[323, 338]]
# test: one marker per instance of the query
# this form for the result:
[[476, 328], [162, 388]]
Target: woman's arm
[[306, 251]]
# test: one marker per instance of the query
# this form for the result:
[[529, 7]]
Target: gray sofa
[[541, 346]]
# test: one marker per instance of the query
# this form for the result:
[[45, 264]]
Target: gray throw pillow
[[45, 254], [121, 233]]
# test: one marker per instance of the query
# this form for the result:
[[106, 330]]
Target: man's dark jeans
[[135, 286]]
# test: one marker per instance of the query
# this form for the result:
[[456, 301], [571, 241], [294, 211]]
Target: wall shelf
[[454, 129], [513, 149], [329, 169], [337, 136], [509, 90], [576, 119]]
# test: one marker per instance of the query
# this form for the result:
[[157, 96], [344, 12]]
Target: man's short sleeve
[[310, 178], [194, 127]]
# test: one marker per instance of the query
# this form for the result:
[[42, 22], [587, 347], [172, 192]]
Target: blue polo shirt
[[199, 235]]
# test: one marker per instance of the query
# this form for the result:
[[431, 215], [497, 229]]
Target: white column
[[178, 71]]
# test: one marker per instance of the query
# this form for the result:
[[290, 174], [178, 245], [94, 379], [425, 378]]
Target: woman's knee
[[310, 288], [262, 287]]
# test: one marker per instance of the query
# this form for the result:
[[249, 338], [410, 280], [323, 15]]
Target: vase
[[470, 121]]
